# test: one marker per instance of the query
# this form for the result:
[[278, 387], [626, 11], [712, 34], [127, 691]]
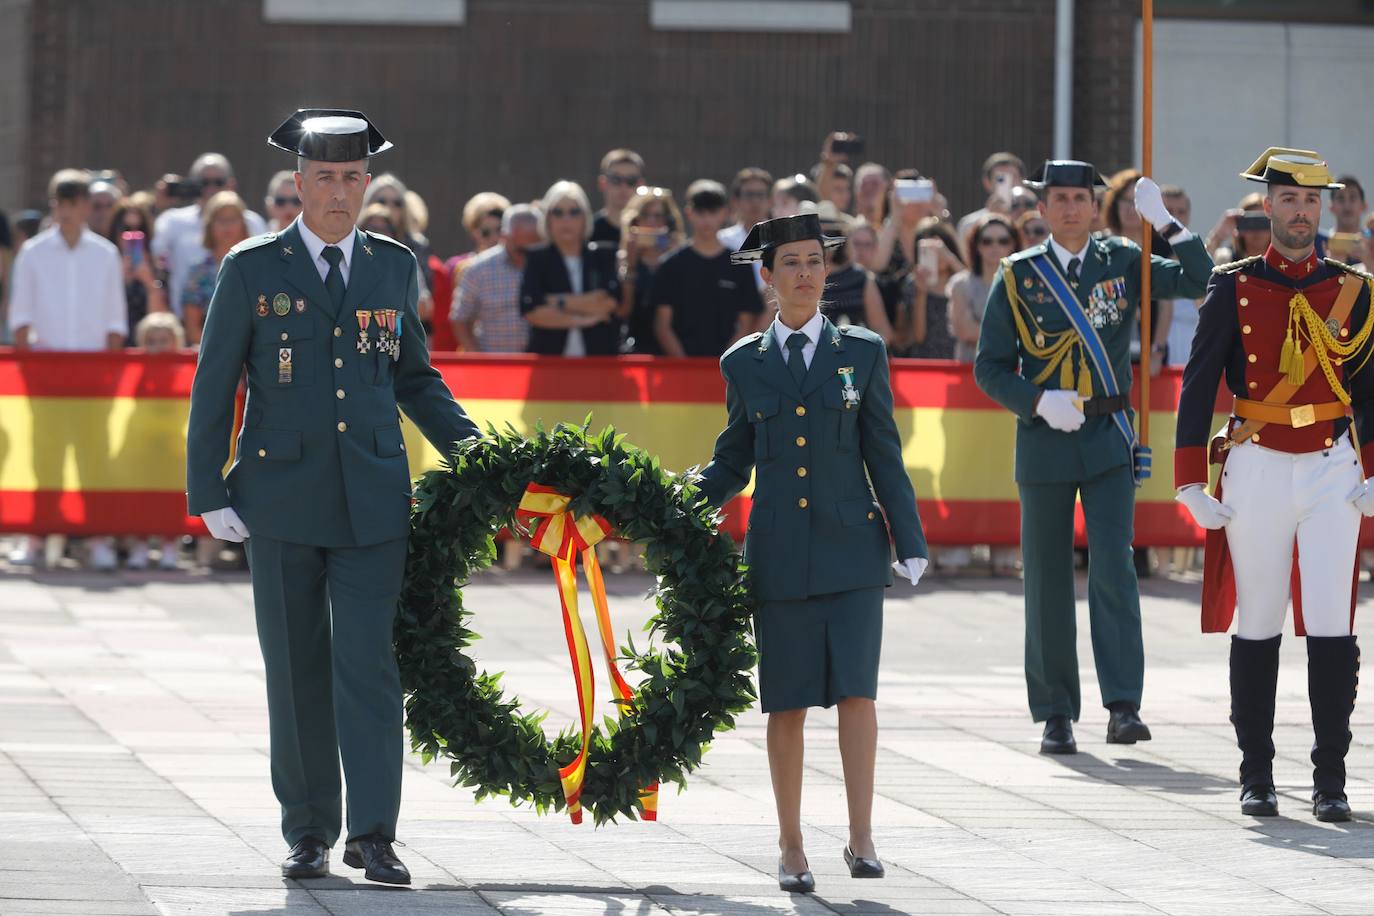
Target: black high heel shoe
[[859, 867], [802, 882]]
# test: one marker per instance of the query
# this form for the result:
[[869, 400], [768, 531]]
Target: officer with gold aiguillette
[[1290, 332], [322, 316], [1055, 350]]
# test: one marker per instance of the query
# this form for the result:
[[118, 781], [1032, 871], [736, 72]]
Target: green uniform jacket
[[320, 458], [816, 526], [1004, 369]]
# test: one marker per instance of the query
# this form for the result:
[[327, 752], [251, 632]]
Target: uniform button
[[1345, 331], [801, 440], [1254, 384], [1252, 357], [1255, 437], [343, 427], [1337, 361], [262, 453], [338, 332], [403, 446], [338, 363], [758, 415], [1341, 281], [871, 516], [802, 502], [801, 411], [283, 335], [1246, 329], [1244, 301], [801, 472], [1329, 443], [339, 394], [1242, 278]]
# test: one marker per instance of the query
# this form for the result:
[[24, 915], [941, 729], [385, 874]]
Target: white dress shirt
[[177, 237], [812, 330], [70, 298], [316, 246], [1065, 255], [575, 344]]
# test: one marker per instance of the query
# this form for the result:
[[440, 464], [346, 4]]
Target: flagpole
[[1146, 230]]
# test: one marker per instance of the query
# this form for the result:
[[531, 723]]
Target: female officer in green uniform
[[810, 407]]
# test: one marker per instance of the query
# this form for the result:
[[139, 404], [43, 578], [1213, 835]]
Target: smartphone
[[1252, 222], [853, 145], [1343, 245], [133, 245], [915, 190], [928, 256], [650, 238]]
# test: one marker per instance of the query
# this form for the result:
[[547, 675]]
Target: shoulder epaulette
[[1025, 254], [743, 342], [384, 239], [858, 332], [256, 241], [1348, 268], [1234, 266]]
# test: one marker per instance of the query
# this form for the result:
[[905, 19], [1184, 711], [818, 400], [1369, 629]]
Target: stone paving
[[133, 777]]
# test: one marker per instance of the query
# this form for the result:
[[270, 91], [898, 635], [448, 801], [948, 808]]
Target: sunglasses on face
[[287, 201], [571, 212], [1034, 233], [629, 181], [1022, 203], [988, 241], [487, 232], [214, 182], [387, 201]]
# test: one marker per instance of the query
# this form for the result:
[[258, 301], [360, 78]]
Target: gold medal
[[262, 306]]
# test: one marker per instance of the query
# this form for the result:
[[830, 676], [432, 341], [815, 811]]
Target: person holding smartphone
[[131, 230], [651, 227]]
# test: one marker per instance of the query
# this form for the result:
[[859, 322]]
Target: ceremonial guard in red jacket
[[1291, 335]]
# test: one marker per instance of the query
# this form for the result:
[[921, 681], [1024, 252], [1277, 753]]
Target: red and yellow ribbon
[[554, 531]]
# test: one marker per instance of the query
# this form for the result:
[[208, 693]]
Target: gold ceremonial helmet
[[1304, 168]]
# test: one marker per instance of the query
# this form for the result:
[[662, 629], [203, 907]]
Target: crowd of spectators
[[103, 266]]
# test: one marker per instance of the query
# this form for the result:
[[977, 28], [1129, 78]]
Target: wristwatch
[[1171, 230]]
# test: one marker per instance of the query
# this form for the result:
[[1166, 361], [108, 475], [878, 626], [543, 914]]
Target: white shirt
[[69, 298], [576, 344], [1065, 255], [316, 246], [177, 237], [812, 330]]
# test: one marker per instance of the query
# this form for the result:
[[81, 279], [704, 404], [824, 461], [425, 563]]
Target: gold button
[[1254, 384], [758, 414], [283, 335], [1255, 437], [1242, 279], [802, 502], [262, 453], [1246, 329], [1329, 443], [801, 440], [338, 332], [339, 394], [801, 411], [1341, 281], [1337, 361], [1252, 357], [1244, 301], [801, 472], [1345, 331], [343, 427], [403, 446], [338, 363], [871, 516]]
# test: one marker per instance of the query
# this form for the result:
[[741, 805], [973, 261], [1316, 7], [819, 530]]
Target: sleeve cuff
[[1190, 465]]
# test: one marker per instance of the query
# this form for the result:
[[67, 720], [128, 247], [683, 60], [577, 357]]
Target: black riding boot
[[1333, 669], [1254, 679]]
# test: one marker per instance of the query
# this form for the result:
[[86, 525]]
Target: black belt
[[1100, 407]]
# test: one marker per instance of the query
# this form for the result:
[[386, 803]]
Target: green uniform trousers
[[1113, 594], [324, 618]]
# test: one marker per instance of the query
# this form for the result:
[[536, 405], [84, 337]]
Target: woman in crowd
[[143, 289], [283, 203], [818, 562], [650, 227], [224, 226], [482, 220], [570, 291], [924, 303], [872, 184], [851, 294], [1240, 233], [1123, 220], [1031, 228]]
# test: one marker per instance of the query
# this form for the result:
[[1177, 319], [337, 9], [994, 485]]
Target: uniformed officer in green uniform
[[1055, 350], [323, 317], [810, 413]]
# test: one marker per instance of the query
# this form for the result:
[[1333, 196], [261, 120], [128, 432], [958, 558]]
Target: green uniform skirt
[[819, 650]]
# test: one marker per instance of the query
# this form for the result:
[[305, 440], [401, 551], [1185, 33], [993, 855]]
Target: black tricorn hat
[[1301, 168], [1066, 173], [329, 135], [780, 230]]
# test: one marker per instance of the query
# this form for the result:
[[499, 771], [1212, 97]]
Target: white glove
[[912, 569], [1208, 512], [1059, 410], [1363, 498], [1149, 203], [225, 525]]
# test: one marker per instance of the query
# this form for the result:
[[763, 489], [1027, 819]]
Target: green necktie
[[796, 363], [334, 281]]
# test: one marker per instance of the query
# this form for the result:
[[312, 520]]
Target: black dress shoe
[[1058, 736], [860, 867], [1259, 801], [1124, 726], [375, 856], [1331, 809], [309, 858], [802, 882]]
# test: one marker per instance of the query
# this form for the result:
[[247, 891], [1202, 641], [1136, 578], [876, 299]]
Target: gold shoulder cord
[[1303, 321], [1055, 348]]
